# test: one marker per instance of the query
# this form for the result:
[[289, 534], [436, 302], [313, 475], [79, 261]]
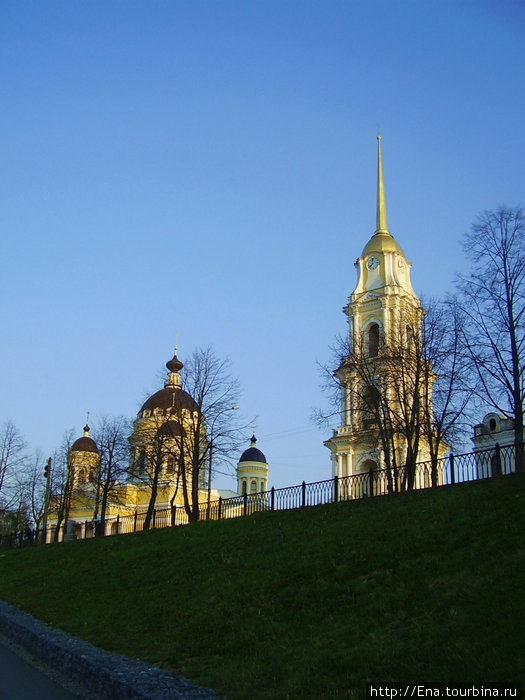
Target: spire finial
[[86, 427], [381, 224]]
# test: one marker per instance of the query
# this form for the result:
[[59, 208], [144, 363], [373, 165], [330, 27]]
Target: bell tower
[[383, 310]]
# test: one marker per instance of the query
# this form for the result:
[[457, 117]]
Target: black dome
[[84, 444], [170, 397], [253, 454]]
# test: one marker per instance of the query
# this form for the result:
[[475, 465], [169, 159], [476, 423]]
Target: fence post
[[371, 479], [245, 505], [173, 511], [220, 508], [452, 475], [154, 517], [498, 460], [518, 456], [336, 489], [118, 522], [273, 499], [135, 522], [303, 494]]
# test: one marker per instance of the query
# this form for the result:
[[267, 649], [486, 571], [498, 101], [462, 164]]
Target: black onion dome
[[171, 428], [174, 365], [170, 397], [253, 454]]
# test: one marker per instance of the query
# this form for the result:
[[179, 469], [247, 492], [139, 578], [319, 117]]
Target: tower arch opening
[[373, 340]]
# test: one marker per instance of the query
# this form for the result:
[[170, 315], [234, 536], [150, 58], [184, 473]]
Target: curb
[[109, 675]]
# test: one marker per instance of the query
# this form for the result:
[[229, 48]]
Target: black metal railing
[[452, 469]]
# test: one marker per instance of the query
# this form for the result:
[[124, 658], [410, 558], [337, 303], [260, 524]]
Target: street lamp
[[232, 408]]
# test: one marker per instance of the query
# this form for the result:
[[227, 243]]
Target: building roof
[[85, 443], [170, 397], [382, 242], [253, 454]]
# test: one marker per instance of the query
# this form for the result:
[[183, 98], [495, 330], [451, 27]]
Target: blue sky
[[209, 169]]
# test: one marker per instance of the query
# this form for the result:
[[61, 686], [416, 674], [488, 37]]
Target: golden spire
[[381, 224]]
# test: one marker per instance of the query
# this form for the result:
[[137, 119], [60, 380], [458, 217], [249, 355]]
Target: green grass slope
[[310, 603]]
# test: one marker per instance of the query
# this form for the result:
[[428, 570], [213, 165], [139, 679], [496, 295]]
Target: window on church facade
[[141, 462], [253, 486], [244, 488], [371, 401], [373, 340]]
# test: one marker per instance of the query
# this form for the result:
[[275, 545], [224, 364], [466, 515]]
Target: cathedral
[[381, 373], [164, 424]]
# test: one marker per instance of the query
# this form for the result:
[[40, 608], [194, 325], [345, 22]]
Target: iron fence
[[452, 469]]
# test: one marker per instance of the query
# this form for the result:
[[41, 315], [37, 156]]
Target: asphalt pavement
[[23, 678]]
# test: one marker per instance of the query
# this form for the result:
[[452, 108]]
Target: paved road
[[21, 680]]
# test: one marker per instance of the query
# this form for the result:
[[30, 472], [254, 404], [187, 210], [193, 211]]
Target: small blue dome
[[253, 454]]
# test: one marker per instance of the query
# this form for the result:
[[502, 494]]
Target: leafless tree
[[13, 458], [111, 436], [492, 299], [447, 392], [215, 431], [408, 390], [197, 432], [62, 481]]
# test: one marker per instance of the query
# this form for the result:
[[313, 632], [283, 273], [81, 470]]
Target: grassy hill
[[311, 603]]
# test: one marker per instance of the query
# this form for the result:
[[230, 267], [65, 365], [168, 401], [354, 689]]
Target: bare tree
[[111, 436], [492, 299], [446, 390], [214, 431], [61, 483], [381, 400], [405, 393], [13, 458], [33, 488], [187, 429]]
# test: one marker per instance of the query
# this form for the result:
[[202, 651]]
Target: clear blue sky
[[209, 169]]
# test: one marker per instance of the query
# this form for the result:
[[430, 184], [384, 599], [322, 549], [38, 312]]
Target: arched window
[[142, 461], [253, 486], [170, 465], [373, 340], [243, 487], [492, 425], [410, 336], [371, 398]]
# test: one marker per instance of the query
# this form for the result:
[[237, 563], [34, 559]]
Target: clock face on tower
[[372, 263]]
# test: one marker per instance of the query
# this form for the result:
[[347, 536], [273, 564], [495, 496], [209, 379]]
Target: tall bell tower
[[382, 310]]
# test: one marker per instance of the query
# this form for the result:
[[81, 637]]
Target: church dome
[[85, 443], [170, 397], [253, 454], [382, 242]]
